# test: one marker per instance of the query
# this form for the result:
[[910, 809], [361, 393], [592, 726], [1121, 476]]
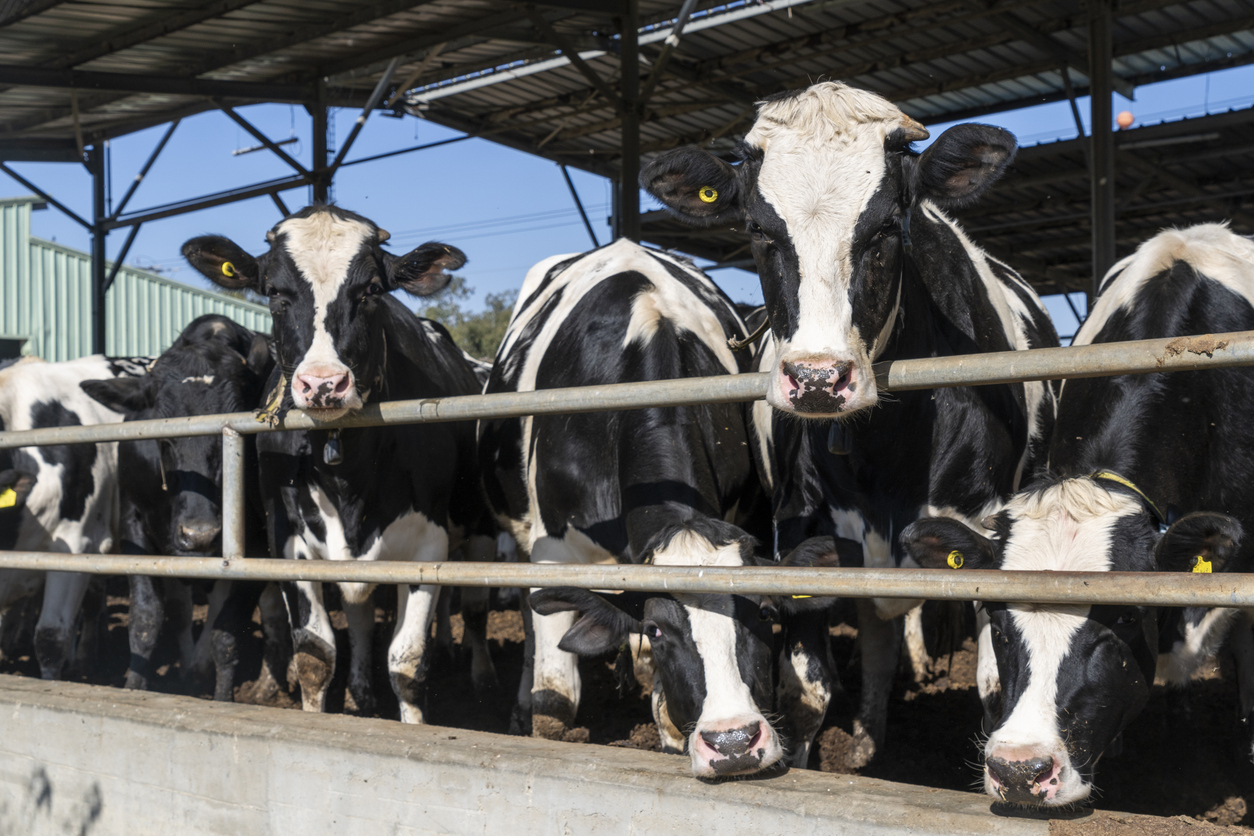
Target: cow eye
[[653, 631], [373, 289], [758, 233], [768, 612], [1128, 619]]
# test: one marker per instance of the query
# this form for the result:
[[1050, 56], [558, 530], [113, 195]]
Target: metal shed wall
[[45, 297]]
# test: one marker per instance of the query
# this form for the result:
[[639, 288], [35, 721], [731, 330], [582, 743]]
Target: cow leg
[[475, 618], [178, 608], [360, 615], [278, 649], [807, 679], [146, 615], [916, 647], [203, 655], [506, 552], [63, 596], [520, 719], [233, 619], [415, 607], [1242, 643], [313, 643], [91, 613], [556, 686], [879, 642], [444, 627]]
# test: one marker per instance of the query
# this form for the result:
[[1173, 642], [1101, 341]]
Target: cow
[[1146, 473], [672, 486], [171, 498], [860, 262], [57, 498], [400, 492]]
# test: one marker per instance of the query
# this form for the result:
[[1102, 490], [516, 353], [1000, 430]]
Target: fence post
[[232, 494]]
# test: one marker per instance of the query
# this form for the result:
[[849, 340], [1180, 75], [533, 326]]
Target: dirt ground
[[1180, 763]]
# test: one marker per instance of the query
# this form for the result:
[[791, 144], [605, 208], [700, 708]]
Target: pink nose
[[323, 389], [730, 751], [819, 387]]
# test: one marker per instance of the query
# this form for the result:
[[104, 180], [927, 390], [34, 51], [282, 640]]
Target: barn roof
[[77, 71]]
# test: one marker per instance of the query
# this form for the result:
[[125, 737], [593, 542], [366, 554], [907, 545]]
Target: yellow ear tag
[[8, 498], [955, 559], [795, 597], [1201, 565], [707, 194], [228, 269]]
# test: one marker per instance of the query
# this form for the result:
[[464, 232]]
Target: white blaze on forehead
[[712, 621], [823, 161], [205, 379], [322, 246], [1065, 528]]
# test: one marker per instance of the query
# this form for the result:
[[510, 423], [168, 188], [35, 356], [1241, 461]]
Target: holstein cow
[[1124, 451], [59, 498], [665, 486], [860, 263], [171, 498], [386, 493]]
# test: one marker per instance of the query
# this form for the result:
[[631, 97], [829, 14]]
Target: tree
[[479, 333]]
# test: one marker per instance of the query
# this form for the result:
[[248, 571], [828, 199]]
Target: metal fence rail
[[1183, 589], [1140, 357]]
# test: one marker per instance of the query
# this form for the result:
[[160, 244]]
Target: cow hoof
[[863, 748], [135, 682], [520, 721], [548, 727], [359, 701]]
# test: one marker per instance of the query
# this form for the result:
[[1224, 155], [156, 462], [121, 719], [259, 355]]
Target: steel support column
[[1102, 141], [629, 191], [322, 182], [96, 165]]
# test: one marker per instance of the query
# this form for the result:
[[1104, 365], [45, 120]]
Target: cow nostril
[[341, 385], [733, 742], [1043, 768]]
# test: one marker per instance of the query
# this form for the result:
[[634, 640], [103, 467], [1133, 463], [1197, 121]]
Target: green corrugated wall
[[45, 297]]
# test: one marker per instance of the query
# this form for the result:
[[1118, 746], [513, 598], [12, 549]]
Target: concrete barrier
[[98, 761]]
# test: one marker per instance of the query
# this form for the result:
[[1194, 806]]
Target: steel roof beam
[[40, 150], [560, 41], [69, 79], [205, 202], [30, 9], [263, 139], [44, 195]]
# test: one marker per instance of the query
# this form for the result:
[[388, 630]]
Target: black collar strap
[[1111, 476]]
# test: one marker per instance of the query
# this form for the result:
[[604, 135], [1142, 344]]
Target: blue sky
[[505, 209]]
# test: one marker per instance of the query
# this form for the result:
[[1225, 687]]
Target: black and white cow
[[1124, 451], [60, 498], [171, 496], [860, 263], [405, 492], [669, 486]]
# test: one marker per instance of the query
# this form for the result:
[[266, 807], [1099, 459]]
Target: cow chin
[[734, 749]]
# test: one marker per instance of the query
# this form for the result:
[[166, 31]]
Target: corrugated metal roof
[[45, 298]]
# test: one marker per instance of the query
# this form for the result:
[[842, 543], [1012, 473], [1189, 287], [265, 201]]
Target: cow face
[[325, 274], [214, 367], [825, 189], [712, 652], [1071, 677]]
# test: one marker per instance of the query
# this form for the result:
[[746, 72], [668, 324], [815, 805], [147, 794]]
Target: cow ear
[[694, 184], [603, 626], [223, 262], [258, 358], [1202, 542], [15, 486], [121, 394], [815, 553], [943, 543], [421, 272], [963, 163]]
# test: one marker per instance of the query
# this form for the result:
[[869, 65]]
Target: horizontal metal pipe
[[1129, 588], [1136, 357]]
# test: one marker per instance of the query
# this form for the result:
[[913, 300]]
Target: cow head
[[325, 275], [1071, 677], [825, 189], [712, 652], [215, 366]]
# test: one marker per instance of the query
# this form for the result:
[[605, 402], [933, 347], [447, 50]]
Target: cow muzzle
[[1033, 778], [197, 537], [821, 387], [737, 747], [325, 388]]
